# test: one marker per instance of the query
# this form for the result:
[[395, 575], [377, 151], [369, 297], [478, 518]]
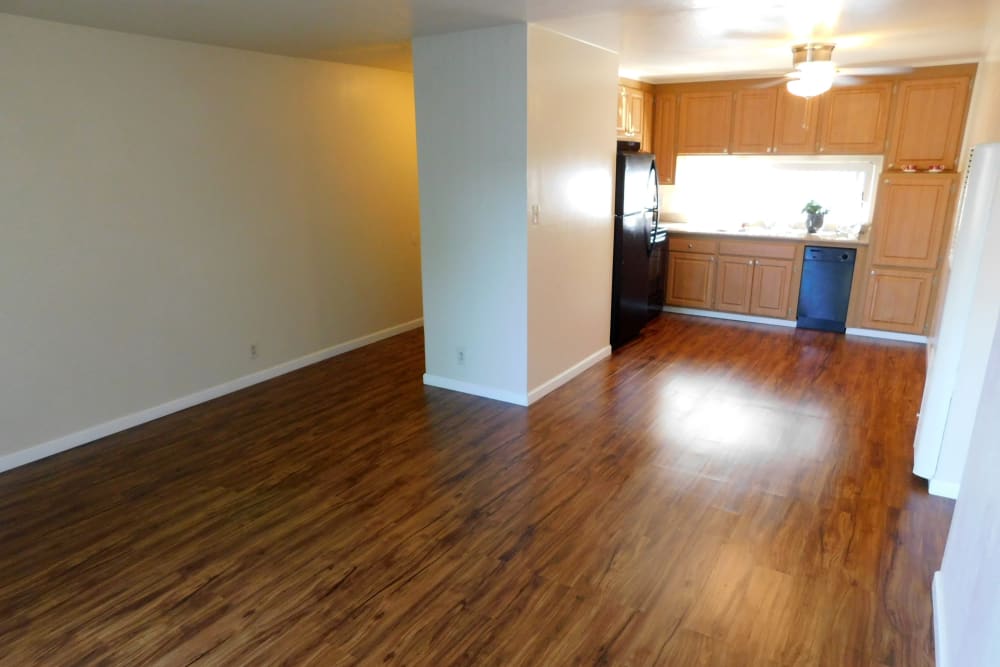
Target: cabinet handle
[[690, 245], [873, 272], [750, 262]]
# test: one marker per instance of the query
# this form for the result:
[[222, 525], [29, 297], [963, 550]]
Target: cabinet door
[[795, 123], [690, 277], [753, 121], [910, 219], [636, 104], [704, 122], [622, 111], [733, 283], [772, 279], [897, 300], [855, 119], [927, 125], [665, 137], [646, 129]]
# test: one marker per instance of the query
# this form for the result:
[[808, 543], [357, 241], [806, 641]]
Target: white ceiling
[[659, 40]]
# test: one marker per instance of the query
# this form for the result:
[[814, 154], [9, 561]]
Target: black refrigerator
[[636, 205]]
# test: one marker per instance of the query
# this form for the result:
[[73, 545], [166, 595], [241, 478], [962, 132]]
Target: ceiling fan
[[814, 71]]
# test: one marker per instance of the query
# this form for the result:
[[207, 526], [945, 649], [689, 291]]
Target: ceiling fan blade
[[847, 80], [773, 82], [874, 71]]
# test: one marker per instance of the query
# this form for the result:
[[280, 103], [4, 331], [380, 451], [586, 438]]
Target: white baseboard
[[568, 374], [943, 489], [937, 610], [484, 391], [87, 435], [735, 317], [887, 335]]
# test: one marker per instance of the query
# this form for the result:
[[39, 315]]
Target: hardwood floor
[[714, 494]]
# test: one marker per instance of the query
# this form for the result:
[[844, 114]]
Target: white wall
[[507, 118], [967, 589], [572, 90], [471, 98], [955, 372], [163, 205]]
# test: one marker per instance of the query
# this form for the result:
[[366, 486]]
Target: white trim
[[562, 378], [887, 335], [937, 611], [943, 489], [476, 389], [736, 317], [87, 435]]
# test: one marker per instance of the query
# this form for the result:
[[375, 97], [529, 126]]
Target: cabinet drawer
[[704, 246], [756, 249]]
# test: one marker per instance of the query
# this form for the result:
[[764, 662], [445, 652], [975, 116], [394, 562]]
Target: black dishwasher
[[827, 274]]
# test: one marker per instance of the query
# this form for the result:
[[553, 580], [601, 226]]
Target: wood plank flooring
[[714, 494]]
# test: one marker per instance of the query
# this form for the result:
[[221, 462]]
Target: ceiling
[[658, 40]]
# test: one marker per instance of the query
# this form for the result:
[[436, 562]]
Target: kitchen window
[[730, 191]]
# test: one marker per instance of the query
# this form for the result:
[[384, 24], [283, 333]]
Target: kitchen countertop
[[763, 234]]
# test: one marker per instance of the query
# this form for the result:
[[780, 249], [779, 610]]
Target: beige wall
[[984, 115], [163, 205], [571, 159]]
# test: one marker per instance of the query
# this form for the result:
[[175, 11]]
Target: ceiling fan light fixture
[[815, 69], [810, 86], [804, 55]]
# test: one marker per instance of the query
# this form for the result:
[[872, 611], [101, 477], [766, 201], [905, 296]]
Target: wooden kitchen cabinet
[[897, 300], [665, 137], [690, 279], [753, 120], [796, 121], [772, 279], [734, 283], [622, 126], [855, 119], [704, 121], [928, 121], [646, 130], [911, 216], [631, 107]]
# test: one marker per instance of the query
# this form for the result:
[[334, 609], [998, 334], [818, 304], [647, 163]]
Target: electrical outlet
[[253, 350], [460, 356]]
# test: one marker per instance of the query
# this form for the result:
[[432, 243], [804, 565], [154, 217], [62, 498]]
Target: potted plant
[[814, 216]]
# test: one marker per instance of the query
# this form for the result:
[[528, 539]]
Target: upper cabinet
[[704, 122], [665, 136], [631, 112], [795, 124], [753, 120], [928, 121], [622, 111], [911, 217], [855, 119]]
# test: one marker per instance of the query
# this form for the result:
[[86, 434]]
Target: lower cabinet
[[898, 300], [772, 280], [690, 278], [734, 284], [754, 286]]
